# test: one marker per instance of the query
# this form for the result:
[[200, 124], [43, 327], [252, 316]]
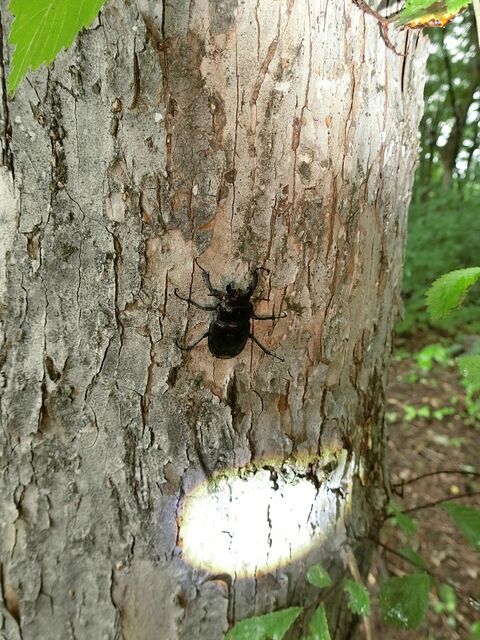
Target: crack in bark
[[136, 81], [147, 395], [117, 262], [235, 135], [272, 48], [80, 252]]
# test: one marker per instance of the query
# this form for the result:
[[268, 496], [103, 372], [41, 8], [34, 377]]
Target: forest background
[[434, 414]]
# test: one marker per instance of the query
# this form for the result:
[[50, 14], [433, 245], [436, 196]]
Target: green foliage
[[318, 576], [472, 400], [449, 127], [420, 10], [468, 365], [446, 605], [447, 599], [318, 627], [42, 28], [358, 598], [413, 557], [447, 441], [431, 354], [475, 631], [467, 520], [411, 412], [404, 600], [449, 290], [271, 626], [401, 520], [443, 235], [442, 412], [470, 368]]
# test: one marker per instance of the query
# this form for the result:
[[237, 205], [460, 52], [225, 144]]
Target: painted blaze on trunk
[[278, 134]]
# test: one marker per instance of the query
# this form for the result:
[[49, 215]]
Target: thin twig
[[383, 23], [427, 505], [435, 473]]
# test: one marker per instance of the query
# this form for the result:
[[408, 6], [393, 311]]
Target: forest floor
[[432, 427]]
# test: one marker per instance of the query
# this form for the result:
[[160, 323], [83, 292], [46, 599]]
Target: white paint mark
[[158, 117], [248, 521]]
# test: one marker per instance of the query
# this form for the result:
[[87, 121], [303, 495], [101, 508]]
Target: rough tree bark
[[279, 133]]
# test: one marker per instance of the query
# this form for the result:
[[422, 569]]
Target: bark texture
[[279, 133]]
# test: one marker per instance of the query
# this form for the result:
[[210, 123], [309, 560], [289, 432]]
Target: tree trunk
[[264, 133]]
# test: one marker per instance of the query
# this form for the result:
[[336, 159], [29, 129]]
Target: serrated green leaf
[[42, 28], [318, 626], [449, 290], [467, 520], [271, 626], [318, 576], [423, 12], [404, 600], [415, 558], [358, 598], [405, 523], [470, 368]]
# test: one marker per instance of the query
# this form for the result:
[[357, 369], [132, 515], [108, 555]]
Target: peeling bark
[[280, 134]]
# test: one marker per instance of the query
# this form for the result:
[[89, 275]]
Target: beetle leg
[[195, 304], [264, 349], [189, 347], [206, 279], [282, 315]]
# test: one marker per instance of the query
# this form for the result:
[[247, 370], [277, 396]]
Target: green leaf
[[475, 631], [318, 576], [447, 595], [404, 600], [271, 626], [318, 627], [449, 290], [470, 368], [415, 558], [405, 523], [42, 28], [358, 598], [467, 520], [430, 354], [430, 13]]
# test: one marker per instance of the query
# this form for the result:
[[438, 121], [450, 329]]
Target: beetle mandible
[[230, 327]]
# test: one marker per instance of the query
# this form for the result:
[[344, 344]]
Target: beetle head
[[236, 296]]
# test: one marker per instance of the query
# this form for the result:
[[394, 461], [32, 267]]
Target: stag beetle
[[230, 327]]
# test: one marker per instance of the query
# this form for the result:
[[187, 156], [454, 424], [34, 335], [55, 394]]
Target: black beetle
[[230, 327]]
